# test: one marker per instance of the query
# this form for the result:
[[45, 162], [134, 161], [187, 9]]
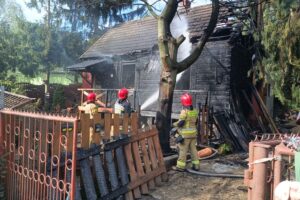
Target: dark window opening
[[128, 75]]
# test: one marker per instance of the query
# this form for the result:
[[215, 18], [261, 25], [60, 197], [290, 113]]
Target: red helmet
[[91, 97], [186, 99], [123, 93]]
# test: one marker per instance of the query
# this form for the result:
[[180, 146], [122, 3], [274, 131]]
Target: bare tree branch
[[183, 65], [150, 8], [180, 40]]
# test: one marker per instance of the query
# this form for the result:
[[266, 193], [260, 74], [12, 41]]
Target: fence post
[[2, 89], [259, 172], [74, 156]]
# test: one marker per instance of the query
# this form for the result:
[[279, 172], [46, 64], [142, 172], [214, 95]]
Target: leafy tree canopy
[[91, 16], [23, 46], [281, 40]]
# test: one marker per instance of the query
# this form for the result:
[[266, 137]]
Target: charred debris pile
[[236, 127]]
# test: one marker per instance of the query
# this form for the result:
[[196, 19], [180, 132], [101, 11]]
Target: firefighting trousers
[[189, 144]]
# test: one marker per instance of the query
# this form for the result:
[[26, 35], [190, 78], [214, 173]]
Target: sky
[[33, 15]]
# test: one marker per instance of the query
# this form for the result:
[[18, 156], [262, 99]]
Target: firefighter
[[122, 104], [90, 106], [187, 130]]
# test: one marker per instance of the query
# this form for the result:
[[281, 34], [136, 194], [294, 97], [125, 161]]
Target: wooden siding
[[208, 75], [207, 78]]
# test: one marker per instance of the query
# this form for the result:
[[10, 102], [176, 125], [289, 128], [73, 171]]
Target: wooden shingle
[[141, 34]]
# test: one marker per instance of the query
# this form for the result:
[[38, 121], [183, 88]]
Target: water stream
[[179, 26]]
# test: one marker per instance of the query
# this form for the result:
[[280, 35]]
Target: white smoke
[[179, 26]]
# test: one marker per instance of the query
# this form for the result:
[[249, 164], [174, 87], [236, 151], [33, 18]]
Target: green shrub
[[58, 98], [225, 149]]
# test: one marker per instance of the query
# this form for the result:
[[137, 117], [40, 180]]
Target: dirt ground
[[186, 186]]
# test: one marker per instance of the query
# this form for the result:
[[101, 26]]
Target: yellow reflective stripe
[[192, 115], [188, 131], [195, 162], [180, 164]]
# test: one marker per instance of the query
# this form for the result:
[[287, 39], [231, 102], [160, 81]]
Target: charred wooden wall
[[208, 78]]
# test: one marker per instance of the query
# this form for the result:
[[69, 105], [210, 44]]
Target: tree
[[92, 16], [281, 40], [53, 50], [168, 49], [22, 45], [7, 17]]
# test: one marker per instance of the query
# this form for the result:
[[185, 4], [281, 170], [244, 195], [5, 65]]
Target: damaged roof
[[83, 65], [141, 34], [12, 101]]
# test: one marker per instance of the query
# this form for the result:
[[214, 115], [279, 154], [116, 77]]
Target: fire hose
[[209, 174], [213, 174]]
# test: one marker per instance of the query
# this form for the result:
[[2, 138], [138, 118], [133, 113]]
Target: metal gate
[[41, 155]]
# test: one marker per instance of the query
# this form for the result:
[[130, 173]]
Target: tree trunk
[[168, 49], [47, 93], [163, 115], [47, 51], [168, 53]]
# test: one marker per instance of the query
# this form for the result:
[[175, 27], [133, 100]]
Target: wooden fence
[[54, 146], [143, 152]]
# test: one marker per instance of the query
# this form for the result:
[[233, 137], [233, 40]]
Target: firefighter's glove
[[173, 131], [181, 123], [179, 140]]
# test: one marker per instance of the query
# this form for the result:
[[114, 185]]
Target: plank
[[153, 158], [146, 159], [264, 109], [134, 123], [116, 125], [107, 125], [125, 123], [85, 130], [142, 136], [132, 171], [160, 157], [96, 139], [145, 178], [138, 161]]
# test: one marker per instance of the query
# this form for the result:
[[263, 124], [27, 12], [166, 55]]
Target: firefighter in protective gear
[[122, 104], [187, 129], [90, 108]]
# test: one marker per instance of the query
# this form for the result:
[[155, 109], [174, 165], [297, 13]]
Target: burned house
[[127, 56]]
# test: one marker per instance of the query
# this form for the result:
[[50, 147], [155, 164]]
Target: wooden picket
[[143, 153]]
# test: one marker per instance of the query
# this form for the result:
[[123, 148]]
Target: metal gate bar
[[37, 142]]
